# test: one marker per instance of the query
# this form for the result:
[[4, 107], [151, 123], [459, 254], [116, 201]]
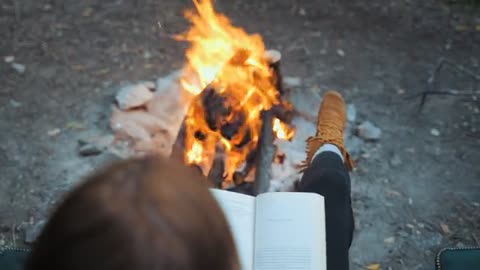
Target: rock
[[351, 113], [95, 145], [33, 231], [147, 55], [54, 132], [89, 150], [167, 83], [19, 67], [132, 96], [292, 81], [435, 132], [369, 131], [150, 85], [302, 12], [389, 240], [445, 228], [395, 161], [139, 125], [15, 104], [9, 59]]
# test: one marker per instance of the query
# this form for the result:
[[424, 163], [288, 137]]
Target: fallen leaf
[[389, 240], [445, 228], [375, 266], [477, 27]]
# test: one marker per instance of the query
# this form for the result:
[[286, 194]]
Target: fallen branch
[[432, 82], [240, 175], [442, 62], [216, 173]]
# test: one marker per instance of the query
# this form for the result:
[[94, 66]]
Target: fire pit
[[233, 105], [236, 102]]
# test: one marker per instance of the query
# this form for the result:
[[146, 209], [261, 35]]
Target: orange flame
[[232, 63], [282, 131]]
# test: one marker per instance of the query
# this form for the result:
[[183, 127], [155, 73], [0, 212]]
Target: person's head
[[141, 214]]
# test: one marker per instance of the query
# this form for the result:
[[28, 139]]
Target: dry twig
[[432, 82]]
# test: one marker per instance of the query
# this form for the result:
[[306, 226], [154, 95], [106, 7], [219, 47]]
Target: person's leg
[[326, 173], [328, 177]]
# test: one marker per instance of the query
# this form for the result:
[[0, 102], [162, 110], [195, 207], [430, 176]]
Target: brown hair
[[148, 213]]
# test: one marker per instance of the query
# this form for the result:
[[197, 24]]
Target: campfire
[[224, 113], [236, 103]]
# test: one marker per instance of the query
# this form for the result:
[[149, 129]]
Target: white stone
[[292, 81], [9, 59], [15, 103], [435, 132], [168, 83], [369, 131], [351, 113], [132, 96], [19, 67]]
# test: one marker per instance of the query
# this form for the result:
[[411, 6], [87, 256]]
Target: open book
[[277, 231]]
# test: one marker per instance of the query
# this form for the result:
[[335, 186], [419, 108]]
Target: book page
[[290, 232], [239, 210]]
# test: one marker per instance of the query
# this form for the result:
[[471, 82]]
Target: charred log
[[241, 174], [220, 114], [274, 57], [266, 152], [216, 174], [244, 188], [247, 137], [283, 113]]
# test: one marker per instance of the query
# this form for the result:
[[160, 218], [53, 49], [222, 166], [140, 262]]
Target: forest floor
[[415, 191]]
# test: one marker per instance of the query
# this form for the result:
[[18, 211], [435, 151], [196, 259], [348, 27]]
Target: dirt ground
[[415, 191]]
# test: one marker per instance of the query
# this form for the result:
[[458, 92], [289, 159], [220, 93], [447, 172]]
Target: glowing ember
[[230, 82]]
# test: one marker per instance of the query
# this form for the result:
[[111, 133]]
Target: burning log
[[223, 115], [266, 152], [274, 57], [282, 112], [240, 175], [216, 173]]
